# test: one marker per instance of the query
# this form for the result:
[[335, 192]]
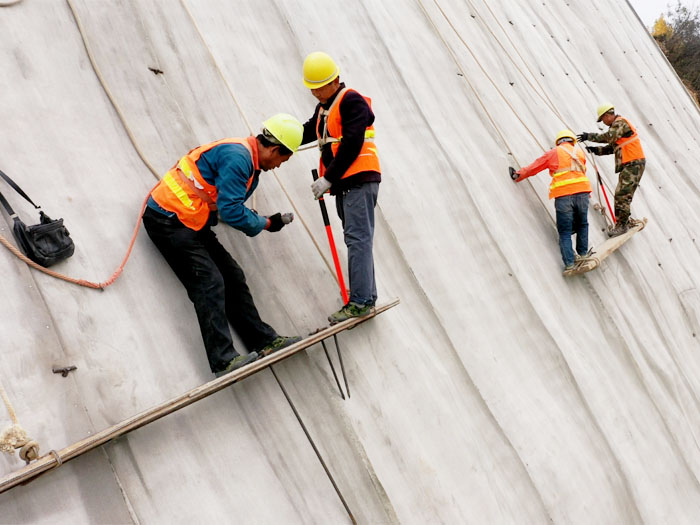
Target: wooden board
[[604, 250], [57, 458]]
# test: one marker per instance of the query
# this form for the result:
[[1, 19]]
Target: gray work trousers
[[355, 208]]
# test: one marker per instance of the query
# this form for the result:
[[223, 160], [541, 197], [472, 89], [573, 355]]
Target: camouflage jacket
[[618, 129]]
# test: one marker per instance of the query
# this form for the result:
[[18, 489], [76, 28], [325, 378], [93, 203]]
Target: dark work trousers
[[355, 207], [215, 283]]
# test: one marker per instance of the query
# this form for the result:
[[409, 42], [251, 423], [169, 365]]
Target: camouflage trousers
[[627, 183]]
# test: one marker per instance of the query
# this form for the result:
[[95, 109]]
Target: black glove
[[583, 136], [592, 149], [276, 223], [513, 174], [279, 220]]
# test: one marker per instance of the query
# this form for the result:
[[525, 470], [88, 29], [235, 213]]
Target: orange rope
[[83, 282]]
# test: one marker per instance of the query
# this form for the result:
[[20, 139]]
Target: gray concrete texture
[[496, 392]]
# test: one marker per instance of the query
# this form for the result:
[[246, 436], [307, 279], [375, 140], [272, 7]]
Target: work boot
[[569, 270], [348, 311], [619, 229], [238, 362], [578, 258], [278, 343]]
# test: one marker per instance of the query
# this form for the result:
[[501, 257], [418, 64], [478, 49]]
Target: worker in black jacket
[[343, 126]]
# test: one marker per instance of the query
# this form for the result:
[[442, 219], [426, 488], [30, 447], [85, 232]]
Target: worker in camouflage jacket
[[622, 140]]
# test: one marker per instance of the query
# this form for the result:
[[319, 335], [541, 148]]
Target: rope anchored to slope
[[15, 437]]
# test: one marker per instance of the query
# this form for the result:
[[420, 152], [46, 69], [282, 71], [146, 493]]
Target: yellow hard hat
[[285, 130], [319, 70], [565, 133], [603, 109]]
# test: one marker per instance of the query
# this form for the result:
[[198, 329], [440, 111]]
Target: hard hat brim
[[316, 85], [603, 109]]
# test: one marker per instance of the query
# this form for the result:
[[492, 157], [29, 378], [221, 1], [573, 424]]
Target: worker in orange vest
[[570, 189], [623, 140], [343, 125], [210, 182]]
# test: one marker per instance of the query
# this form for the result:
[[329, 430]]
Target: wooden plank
[[56, 458], [606, 249]]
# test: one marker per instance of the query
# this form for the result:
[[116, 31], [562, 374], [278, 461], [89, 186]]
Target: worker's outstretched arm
[[601, 150], [547, 161], [618, 129]]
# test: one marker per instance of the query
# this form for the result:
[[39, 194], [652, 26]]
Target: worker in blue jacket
[[210, 182]]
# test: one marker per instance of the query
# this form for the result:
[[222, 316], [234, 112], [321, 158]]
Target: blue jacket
[[229, 167]]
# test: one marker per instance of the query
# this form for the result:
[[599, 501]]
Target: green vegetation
[[679, 38]]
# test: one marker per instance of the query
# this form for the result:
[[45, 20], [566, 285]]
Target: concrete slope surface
[[496, 392]]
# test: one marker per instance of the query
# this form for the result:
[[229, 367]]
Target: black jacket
[[356, 116]]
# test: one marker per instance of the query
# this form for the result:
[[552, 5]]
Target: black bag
[[45, 243]]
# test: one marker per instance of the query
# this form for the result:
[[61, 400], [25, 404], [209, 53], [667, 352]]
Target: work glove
[[513, 174], [582, 137], [320, 186], [592, 149], [278, 221]]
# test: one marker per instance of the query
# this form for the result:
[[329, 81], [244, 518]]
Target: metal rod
[[342, 368], [313, 445], [323, 343]]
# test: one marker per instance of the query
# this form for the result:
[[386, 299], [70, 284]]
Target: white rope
[[132, 138], [543, 94], [108, 92], [250, 129], [15, 437], [476, 94], [548, 103]]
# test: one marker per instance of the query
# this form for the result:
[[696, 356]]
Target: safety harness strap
[[200, 193]]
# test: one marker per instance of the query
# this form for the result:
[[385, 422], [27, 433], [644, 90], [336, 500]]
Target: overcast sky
[[649, 10]]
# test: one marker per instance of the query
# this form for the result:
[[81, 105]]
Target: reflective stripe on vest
[[570, 177], [367, 159], [369, 137], [184, 191], [631, 147]]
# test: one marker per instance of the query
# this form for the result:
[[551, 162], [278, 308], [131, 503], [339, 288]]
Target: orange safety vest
[[184, 191], [367, 159], [631, 146], [570, 177]]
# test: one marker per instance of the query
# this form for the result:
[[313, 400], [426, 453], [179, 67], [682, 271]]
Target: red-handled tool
[[331, 243], [600, 182]]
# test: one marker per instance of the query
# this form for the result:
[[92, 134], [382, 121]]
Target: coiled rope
[[15, 437]]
